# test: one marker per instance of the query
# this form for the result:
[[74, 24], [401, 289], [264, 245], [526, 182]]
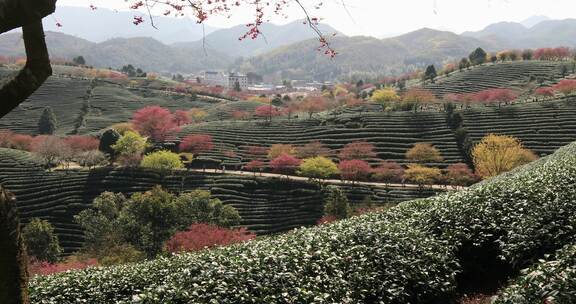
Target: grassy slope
[[419, 252]]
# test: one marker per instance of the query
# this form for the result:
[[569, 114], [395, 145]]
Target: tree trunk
[[13, 263], [27, 14]]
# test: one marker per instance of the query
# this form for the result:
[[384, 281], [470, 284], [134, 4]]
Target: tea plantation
[[392, 134], [266, 205], [424, 251], [517, 74], [541, 126]]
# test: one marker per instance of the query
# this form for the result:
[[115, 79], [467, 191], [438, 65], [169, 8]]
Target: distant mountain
[[532, 21], [103, 24], [365, 56], [273, 36], [545, 33], [146, 53]]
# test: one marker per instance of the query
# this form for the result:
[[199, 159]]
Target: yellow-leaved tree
[[497, 154], [385, 96]]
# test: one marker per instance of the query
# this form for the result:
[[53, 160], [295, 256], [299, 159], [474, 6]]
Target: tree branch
[[17, 13], [34, 73]]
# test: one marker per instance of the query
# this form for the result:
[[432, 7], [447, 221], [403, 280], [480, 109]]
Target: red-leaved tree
[[354, 169], [544, 92], [285, 163], [81, 143], [203, 236], [155, 122], [255, 166], [196, 143], [181, 118], [566, 86], [389, 172], [357, 150], [267, 112]]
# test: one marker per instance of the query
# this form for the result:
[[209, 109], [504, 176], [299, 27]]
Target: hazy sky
[[390, 17]]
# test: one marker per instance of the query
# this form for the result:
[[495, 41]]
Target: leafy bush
[[41, 241], [550, 281], [413, 253], [318, 167], [202, 236], [162, 161], [337, 204], [146, 220]]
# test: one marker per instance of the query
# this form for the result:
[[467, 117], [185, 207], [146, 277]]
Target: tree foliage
[[337, 204], [285, 163], [146, 220], [130, 144], [203, 236], [385, 96], [278, 149], [162, 161], [424, 153], [357, 150], [422, 175], [318, 167], [196, 143], [354, 169], [41, 241], [388, 172], [47, 123], [478, 56], [155, 122], [496, 154]]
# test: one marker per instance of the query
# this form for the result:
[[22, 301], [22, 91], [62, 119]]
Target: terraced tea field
[[391, 133], [541, 126], [85, 106], [266, 205], [516, 74]]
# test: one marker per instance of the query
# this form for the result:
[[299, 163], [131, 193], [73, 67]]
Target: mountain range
[[289, 51]]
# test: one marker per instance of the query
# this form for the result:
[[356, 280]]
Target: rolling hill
[[273, 36], [146, 53], [103, 24], [390, 56], [545, 33]]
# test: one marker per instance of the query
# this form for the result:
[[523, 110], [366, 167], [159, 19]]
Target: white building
[[241, 79]]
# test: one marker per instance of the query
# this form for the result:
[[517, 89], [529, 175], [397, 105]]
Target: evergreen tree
[[478, 56], [337, 203], [47, 123], [237, 87], [108, 139], [464, 64], [430, 73], [79, 60], [40, 240]]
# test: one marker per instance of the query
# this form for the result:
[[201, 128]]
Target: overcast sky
[[382, 18]]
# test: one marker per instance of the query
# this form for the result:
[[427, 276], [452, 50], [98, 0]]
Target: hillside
[[426, 251], [146, 53], [103, 24], [521, 76], [85, 106], [391, 56], [273, 36], [545, 33], [267, 205]]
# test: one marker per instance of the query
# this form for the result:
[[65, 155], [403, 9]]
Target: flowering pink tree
[[202, 236], [80, 143], [155, 122], [267, 111], [285, 163], [544, 92], [196, 143], [181, 118], [566, 86], [357, 150], [354, 169]]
